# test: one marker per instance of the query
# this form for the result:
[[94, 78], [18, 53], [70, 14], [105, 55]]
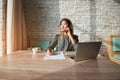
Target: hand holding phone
[[67, 31]]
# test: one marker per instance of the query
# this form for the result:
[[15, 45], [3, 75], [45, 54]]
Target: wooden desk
[[22, 66]]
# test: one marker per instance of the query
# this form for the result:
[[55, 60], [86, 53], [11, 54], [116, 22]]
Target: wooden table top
[[23, 66]]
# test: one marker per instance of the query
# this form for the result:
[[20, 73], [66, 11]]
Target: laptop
[[86, 50]]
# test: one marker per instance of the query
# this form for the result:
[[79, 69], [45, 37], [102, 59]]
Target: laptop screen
[[87, 50]]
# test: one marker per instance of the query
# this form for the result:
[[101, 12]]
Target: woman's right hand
[[49, 52]]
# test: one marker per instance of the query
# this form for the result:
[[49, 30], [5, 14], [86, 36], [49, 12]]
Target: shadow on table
[[90, 70]]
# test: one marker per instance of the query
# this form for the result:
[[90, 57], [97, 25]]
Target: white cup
[[34, 50]]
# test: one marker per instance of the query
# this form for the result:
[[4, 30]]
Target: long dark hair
[[70, 25]]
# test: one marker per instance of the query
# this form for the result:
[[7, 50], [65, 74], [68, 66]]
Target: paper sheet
[[57, 55]]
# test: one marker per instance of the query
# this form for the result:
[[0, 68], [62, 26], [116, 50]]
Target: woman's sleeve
[[76, 42], [53, 43]]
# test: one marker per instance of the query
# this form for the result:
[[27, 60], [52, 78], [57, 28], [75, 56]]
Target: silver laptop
[[86, 50]]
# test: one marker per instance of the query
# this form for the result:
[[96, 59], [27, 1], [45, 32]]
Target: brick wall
[[1, 13], [93, 20], [2, 27], [42, 18]]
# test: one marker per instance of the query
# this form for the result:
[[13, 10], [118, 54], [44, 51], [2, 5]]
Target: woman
[[66, 40]]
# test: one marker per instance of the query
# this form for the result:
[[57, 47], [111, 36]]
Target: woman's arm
[[76, 41], [52, 45], [73, 38]]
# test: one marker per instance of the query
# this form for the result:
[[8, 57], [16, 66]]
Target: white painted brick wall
[[93, 20]]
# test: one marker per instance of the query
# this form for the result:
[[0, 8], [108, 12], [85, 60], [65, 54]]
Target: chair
[[113, 48], [43, 44]]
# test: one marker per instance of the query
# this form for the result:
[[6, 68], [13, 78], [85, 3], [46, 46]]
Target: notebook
[[86, 50], [58, 55]]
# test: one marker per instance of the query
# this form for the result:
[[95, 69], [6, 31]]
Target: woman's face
[[63, 26]]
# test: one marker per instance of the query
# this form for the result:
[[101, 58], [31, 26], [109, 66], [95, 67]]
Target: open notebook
[[57, 55]]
